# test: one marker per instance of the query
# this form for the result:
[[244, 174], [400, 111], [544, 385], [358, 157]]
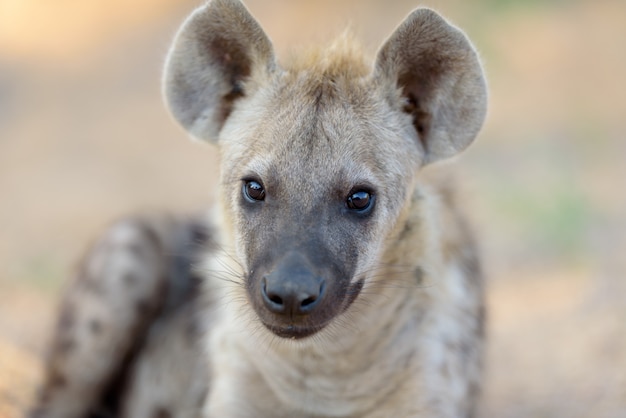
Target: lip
[[292, 332]]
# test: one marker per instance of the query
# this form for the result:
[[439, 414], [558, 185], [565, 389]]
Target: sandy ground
[[84, 139]]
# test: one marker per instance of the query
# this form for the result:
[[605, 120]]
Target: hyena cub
[[337, 281]]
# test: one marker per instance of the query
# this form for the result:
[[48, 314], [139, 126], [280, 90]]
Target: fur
[[306, 306]]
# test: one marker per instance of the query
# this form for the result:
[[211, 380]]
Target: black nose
[[292, 290]]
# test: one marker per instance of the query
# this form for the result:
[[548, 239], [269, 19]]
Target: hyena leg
[[105, 313], [169, 378]]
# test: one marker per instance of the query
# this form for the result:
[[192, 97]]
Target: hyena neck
[[358, 356]]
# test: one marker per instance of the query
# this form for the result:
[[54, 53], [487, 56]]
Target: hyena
[[333, 280]]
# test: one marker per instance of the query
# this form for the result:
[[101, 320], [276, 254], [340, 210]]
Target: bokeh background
[[85, 139]]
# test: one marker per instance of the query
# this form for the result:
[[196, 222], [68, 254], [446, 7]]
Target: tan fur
[[342, 57], [393, 322]]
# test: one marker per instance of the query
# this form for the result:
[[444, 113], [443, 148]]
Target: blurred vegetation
[[553, 224]]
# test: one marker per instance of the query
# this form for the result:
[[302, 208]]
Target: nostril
[[308, 301], [272, 299], [276, 299]]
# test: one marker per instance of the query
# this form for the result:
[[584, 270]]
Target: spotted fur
[[306, 306]]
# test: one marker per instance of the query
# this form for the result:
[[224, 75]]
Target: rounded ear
[[440, 79], [219, 55]]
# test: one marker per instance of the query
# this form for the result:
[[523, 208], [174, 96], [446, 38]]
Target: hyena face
[[318, 159], [314, 184]]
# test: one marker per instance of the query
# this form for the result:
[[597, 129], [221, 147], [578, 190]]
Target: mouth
[[293, 332], [300, 327], [354, 290]]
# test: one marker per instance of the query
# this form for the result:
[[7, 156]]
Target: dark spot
[[408, 360], [130, 279], [137, 249], [199, 234], [409, 105], [91, 284], [444, 370], [56, 379], [147, 241], [452, 346], [66, 320], [142, 307], [45, 396], [162, 412], [152, 236], [237, 90], [466, 349], [65, 345], [470, 263], [353, 292], [408, 227], [192, 329], [201, 399], [196, 279], [317, 101], [419, 275], [474, 392], [95, 326], [481, 321]]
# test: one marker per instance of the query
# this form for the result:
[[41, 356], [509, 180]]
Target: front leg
[[105, 312]]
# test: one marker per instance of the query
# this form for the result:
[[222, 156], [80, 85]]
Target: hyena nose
[[295, 295]]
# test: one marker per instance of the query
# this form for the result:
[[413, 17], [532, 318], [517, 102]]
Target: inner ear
[[236, 66], [437, 72], [219, 55], [414, 107]]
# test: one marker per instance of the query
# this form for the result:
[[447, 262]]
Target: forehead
[[315, 125], [322, 128]]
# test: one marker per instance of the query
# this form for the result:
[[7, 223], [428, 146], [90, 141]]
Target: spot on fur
[[162, 412]]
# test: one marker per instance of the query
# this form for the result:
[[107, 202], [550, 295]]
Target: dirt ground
[[85, 139]]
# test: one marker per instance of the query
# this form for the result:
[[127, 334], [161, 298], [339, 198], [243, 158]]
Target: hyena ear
[[441, 83], [219, 55]]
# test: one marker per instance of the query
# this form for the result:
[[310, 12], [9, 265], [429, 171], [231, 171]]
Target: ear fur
[[216, 58], [440, 78]]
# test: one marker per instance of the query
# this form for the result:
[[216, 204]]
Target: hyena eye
[[360, 201], [253, 191]]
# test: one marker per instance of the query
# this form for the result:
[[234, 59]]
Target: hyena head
[[319, 157]]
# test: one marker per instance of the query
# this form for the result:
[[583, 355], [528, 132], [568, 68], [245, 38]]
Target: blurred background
[[85, 139]]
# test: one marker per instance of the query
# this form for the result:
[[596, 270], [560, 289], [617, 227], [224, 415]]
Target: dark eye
[[360, 201], [253, 191]]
